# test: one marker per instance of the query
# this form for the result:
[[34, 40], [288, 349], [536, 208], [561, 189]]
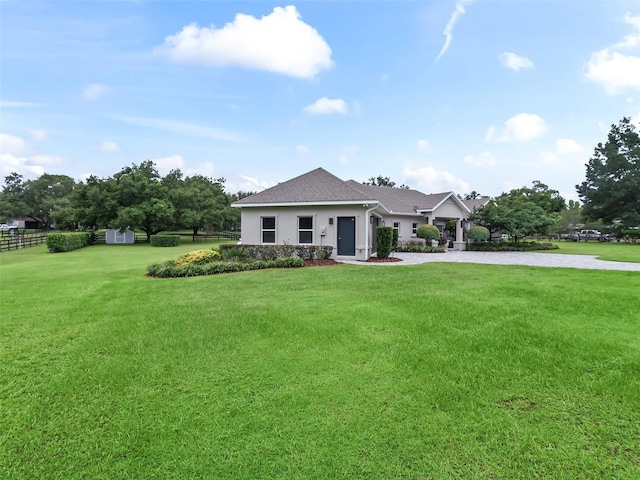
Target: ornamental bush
[[428, 232], [478, 232], [235, 252], [510, 246], [65, 242], [384, 237], [170, 269], [198, 257], [165, 240]]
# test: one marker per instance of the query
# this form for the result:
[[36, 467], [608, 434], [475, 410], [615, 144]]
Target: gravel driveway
[[532, 259]]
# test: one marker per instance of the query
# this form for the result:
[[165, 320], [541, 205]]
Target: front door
[[347, 236]]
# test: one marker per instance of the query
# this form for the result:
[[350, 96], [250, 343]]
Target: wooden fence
[[8, 242]]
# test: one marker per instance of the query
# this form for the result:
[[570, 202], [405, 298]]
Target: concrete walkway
[[532, 259]]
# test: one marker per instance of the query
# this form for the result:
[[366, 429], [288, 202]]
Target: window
[[305, 229], [414, 228], [396, 226], [268, 229]]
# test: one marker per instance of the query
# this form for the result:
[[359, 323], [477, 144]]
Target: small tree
[[428, 233], [478, 233], [384, 237]]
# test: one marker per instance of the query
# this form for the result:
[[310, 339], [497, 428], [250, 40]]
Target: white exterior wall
[[287, 226], [406, 226]]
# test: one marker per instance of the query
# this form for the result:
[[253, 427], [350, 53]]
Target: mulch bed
[[383, 260], [320, 263]]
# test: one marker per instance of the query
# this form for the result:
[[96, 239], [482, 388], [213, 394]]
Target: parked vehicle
[[7, 228], [585, 235]]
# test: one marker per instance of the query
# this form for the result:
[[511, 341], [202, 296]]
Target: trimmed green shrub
[[165, 240], [65, 242], [198, 257], [428, 232], [384, 237], [478, 232], [170, 269], [418, 247], [394, 242], [510, 247], [235, 252]]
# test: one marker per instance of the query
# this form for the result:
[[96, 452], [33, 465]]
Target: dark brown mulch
[[383, 260], [320, 263]]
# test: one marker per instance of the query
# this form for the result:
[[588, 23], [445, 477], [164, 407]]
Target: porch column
[[459, 243]]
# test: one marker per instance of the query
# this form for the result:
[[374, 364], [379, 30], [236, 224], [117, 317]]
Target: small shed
[[115, 236]]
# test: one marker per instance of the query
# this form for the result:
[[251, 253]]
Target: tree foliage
[[611, 191], [428, 232], [478, 232], [381, 181]]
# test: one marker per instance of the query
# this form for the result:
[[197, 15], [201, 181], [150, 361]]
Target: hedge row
[[418, 248], [170, 269], [165, 240], [65, 242], [510, 246], [274, 252]]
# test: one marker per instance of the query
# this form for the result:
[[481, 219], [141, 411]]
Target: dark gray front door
[[347, 236]]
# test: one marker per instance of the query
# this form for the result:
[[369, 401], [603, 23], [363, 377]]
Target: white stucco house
[[318, 208]]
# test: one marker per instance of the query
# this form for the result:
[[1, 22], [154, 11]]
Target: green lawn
[[429, 371], [617, 252]]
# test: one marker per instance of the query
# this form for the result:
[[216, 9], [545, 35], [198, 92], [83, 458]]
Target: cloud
[[520, 128], [38, 134], [94, 91], [247, 184], [302, 149], [108, 146], [279, 42], [326, 105], [615, 70], [515, 62], [13, 104], [549, 158], [166, 164], [434, 180], [343, 159], [422, 145], [182, 128], [448, 30], [485, 159], [22, 165], [10, 144], [567, 145], [47, 160]]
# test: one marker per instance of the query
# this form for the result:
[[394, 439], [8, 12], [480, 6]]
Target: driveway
[[532, 259]]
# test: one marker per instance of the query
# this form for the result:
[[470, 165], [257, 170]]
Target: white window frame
[[267, 230], [414, 228], [305, 230]]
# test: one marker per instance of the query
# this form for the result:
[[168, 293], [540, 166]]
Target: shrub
[[198, 257], [170, 269], [165, 240], [394, 243], [415, 247], [428, 232], [510, 247], [384, 237], [65, 242], [234, 252], [478, 232]]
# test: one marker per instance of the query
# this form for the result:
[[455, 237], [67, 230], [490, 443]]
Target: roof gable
[[316, 186]]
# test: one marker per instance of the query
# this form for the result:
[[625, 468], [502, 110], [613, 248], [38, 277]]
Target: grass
[[429, 371], [616, 252]]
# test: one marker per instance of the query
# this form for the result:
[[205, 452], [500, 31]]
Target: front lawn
[[349, 371], [616, 252]]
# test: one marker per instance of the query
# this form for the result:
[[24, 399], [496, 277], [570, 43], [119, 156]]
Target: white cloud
[[302, 149], [206, 169], [520, 128], [515, 62], [434, 180], [182, 128], [422, 145], [166, 164], [47, 160], [10, 163], [448, 30], [279, 42], [344, 159], [350, 148], [108, 146], [567, 145], [326, 105], [485, 159], [617, 71], [94, 91], [246, 184], [38, 134], [10, 144], [549, 158]]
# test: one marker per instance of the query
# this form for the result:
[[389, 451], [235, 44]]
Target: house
[[319, 208]]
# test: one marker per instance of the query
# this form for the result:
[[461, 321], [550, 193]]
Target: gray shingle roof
[[315, 186], [401, 200], [474, 203]]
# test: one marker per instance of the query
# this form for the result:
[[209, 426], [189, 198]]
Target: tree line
[[135, 197]]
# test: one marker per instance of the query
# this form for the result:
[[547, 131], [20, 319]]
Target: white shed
[[115, 236]]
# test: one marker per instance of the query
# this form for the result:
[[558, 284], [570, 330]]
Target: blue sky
[[439, 95]]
